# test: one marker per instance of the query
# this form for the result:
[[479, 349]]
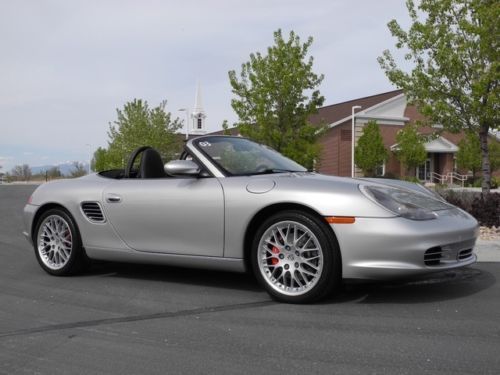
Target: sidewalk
[[487, 250]]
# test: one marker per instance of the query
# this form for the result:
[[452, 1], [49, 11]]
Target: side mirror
[[182, 168]]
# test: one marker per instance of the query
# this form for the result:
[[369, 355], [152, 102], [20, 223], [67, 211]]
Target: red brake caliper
[[275, 261]]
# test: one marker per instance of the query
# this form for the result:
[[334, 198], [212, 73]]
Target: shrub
[[462, 199], [485, 208]]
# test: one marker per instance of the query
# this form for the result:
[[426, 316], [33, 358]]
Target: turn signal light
[[340, 219]]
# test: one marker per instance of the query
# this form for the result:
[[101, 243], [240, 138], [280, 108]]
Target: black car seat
[[151, 165]]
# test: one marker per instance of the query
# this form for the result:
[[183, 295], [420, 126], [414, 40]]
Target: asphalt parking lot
[[132, 319]]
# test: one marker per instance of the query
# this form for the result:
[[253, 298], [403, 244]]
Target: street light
[[90, 156], [187, 120], [353, 108]]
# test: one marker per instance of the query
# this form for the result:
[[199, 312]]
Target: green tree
[[79, 170], [225, 128], [411, 151], [454, 46], [99, 161], [469, 154], [139, 125], [275, 95], [370, 151]]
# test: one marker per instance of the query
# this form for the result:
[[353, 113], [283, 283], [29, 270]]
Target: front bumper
[[28, 215], [385, 248]]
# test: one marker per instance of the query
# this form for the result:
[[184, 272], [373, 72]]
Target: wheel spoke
[[272, 243], [302, 275], [300, 238], [306, 243], [299, 283], [283, 238], [64, 254], [275, 269], [312, 265], [307, 272]]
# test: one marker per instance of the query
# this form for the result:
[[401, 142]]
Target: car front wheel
[[295, 258], [57, 243]]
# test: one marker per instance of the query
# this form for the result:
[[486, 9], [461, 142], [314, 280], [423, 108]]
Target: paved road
[[128, 319]]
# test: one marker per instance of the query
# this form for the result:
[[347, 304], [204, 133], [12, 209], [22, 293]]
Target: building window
[[380, 170], [199, 125]]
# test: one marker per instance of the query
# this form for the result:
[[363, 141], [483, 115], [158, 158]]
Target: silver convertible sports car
[[232, 204]]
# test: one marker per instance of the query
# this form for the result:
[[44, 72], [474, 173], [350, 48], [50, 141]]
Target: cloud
[[66, 66]]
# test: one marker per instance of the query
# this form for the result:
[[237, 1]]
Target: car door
[[173, 215]]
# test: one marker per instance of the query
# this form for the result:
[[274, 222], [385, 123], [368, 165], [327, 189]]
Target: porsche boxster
[[232, 204]]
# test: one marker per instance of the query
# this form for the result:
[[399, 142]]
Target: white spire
[[198, 116], [198, 104]]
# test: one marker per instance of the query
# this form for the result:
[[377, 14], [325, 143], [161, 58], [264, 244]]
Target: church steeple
[[198, 116]]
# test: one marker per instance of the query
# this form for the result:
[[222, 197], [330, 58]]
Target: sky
[[66, 66]]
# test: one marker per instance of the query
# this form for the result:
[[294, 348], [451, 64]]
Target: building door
[[424, 171]]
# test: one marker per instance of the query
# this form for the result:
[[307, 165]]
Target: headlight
[[404, 203]]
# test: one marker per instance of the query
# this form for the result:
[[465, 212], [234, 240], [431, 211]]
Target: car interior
[[151, 166]]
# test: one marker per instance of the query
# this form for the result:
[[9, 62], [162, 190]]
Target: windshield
[[240, 156]]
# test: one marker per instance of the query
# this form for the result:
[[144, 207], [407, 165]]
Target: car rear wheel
[[57, 244], [295, 258]]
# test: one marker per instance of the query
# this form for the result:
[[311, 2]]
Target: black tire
[[76, 261], [326, 281]]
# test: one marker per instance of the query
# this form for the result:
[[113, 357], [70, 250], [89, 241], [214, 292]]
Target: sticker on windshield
[[205, 144]]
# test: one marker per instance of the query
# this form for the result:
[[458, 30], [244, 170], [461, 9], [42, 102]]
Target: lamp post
[[187, 120], [90, 156], [353, 138]]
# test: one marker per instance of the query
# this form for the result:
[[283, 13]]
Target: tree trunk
[[485, 164]]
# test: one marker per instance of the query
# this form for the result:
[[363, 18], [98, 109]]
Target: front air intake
[[464, 254], [432, 257], [93, 212]]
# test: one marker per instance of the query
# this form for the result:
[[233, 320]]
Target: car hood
[[355, 182]]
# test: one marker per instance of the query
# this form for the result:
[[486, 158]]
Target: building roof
[[438, 145], [333, 113]]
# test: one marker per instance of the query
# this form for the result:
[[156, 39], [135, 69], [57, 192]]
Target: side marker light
[[340, 219]]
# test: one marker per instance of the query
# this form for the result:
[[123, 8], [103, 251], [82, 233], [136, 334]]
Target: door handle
[[113, 198]]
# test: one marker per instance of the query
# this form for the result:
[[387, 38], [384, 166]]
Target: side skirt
[[188, 261]]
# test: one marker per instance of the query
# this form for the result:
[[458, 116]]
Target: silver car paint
[[189, 212], [202, 222]]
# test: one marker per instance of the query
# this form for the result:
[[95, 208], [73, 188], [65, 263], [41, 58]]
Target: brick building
[[391, 112]]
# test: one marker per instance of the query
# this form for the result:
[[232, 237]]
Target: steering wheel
[[261, 168], [132, 158]]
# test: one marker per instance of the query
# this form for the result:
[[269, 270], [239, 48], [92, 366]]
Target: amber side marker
[[340, 219]]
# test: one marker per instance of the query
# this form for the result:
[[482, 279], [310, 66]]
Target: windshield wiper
[[275, 170]]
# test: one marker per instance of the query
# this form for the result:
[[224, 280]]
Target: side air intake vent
[[93, 212]]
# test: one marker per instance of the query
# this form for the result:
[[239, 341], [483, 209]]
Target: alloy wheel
[[290, 258]]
